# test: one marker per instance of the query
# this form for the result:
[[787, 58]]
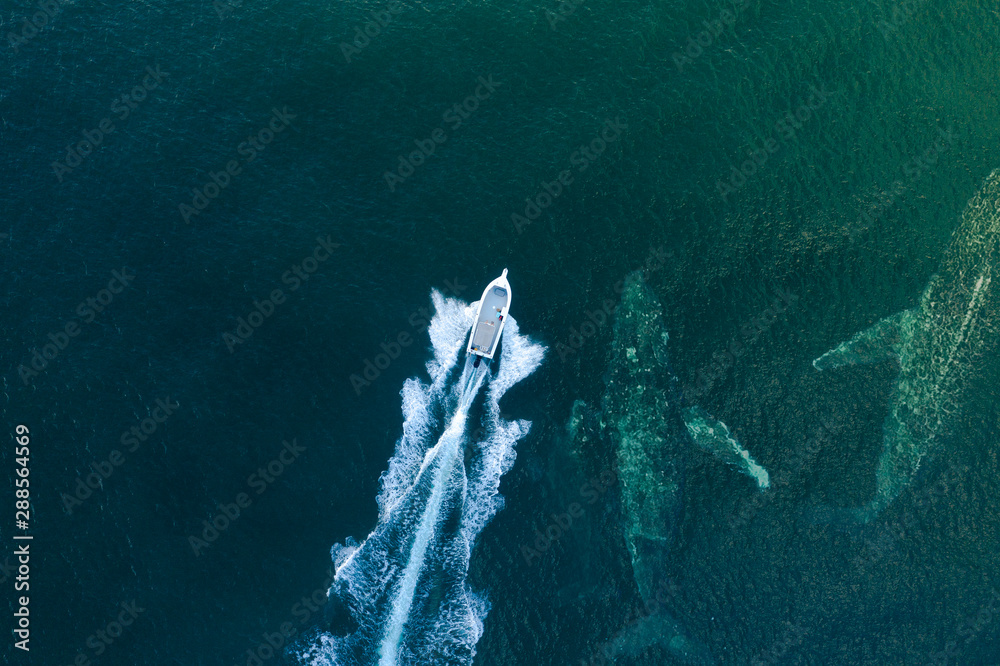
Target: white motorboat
[[493, 306]]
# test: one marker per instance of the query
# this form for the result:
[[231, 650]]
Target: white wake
[[405, 585]]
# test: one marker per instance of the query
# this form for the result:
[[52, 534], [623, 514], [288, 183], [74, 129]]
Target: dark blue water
[[252, 115]]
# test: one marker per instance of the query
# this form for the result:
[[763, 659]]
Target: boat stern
[[488, 326]]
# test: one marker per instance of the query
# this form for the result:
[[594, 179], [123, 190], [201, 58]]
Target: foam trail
[[449, 451], [404, 587]]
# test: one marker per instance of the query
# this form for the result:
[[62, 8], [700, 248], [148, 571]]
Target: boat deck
[[488, 324]]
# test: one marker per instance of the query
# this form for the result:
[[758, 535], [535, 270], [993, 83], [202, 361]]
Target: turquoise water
[[872, 126]]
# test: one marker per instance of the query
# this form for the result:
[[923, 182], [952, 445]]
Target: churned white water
[[405, 584]]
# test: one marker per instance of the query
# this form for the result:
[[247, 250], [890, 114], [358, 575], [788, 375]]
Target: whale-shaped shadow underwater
[[645, 416], [936, 344]]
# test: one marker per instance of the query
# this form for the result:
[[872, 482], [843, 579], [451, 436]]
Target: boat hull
[[488, 327]]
